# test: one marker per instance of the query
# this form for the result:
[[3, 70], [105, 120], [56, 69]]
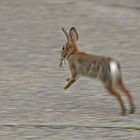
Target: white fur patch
[[113, 68]]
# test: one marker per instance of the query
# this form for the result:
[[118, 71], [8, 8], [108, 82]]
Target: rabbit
[[103, 68]]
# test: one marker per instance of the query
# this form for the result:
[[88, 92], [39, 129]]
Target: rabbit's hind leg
[[124, 89], [113, 92]]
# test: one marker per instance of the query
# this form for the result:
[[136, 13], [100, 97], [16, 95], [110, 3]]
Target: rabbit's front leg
[[70, 80], [69, 83]]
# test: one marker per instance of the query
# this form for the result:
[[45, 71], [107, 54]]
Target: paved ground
[[33, 105]]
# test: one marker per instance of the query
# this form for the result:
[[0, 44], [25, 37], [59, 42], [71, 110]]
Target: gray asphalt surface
[[33, 104]]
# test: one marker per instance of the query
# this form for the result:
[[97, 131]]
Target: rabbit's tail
[[115, 72]]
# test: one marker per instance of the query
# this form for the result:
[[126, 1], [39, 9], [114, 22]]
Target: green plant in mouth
[[61, 62]]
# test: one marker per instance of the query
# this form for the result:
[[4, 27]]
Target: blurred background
[[33, 105]]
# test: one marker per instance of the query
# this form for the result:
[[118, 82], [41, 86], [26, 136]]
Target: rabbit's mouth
[[64, 56]]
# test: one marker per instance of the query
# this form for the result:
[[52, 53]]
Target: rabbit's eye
[[63, 48]]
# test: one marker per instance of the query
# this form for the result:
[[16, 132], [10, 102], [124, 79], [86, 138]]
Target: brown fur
[[81, 63]]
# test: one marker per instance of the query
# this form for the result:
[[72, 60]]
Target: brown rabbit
[[104, 68]]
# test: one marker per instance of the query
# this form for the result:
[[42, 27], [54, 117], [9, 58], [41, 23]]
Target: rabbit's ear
[[73, 34], [66, 33]]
